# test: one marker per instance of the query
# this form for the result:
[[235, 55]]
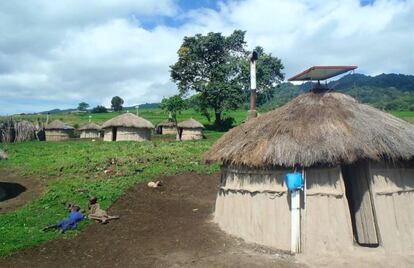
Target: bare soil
[[17, 190], [163, 227]]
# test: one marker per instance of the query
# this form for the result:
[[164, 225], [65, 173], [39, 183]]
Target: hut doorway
[[180, 133], [114, 132], [358, 193]]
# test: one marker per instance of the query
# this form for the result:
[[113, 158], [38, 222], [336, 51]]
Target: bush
[[99, 109]]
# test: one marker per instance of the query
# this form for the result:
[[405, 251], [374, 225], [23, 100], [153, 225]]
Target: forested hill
[[385, 91]]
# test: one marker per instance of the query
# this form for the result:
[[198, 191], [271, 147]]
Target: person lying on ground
[[98, 214], [70, 222]]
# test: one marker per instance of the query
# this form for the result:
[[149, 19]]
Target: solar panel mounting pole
[[252, 113]]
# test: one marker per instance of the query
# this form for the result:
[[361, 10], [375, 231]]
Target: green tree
[[116, 103], [83, 106], [268, 75], [173, 105], [210, 65], [99, 109]]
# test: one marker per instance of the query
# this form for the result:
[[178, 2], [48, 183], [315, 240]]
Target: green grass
[[72, 170], [155, 115]]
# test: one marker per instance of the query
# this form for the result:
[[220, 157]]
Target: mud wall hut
[[90, 131], [189, 130], [167, 127], [127, 127], [58, 131], [358, 170]]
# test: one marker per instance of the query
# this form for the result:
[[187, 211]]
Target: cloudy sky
[[55, 54]]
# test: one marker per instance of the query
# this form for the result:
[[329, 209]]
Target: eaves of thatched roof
[[128, 120], [324, 128], [190, 123], [57, 124]]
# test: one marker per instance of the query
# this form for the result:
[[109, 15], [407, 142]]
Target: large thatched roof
[[57, 124], [90, 126], [190, 123], [166, 123], [128, 120], [314, 129]]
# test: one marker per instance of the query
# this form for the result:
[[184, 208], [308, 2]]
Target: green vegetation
[[74, 169], [216, 68]]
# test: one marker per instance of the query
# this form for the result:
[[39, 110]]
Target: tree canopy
[[216, 67], [173, 105], [209, 64], [83, 106], [116, 103]]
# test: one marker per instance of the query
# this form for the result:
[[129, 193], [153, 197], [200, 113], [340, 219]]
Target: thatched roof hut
[[167, 127], [358, 167], [190, 130], [127, 127], [58, 130], [90, 131]]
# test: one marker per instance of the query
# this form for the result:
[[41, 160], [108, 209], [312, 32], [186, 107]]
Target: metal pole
[[252, 111], [295, 221], [137, 107]]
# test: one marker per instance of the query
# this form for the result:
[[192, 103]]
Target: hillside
[[391, 92]]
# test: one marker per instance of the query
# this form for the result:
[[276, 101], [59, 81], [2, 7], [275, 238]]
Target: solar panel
[[321, 73]]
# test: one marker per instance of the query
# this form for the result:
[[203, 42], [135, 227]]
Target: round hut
[[58, 131], [90, 131], [358, 170], [127, 127], [167, 127], [189, 130]]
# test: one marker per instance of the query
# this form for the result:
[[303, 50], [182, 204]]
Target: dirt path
[[15, 191], [167, 227]]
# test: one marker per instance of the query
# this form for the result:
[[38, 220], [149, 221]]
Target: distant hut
[[358, 170], [58, 131], [189, 130], [167, 127], [90, 131], [127, 127]]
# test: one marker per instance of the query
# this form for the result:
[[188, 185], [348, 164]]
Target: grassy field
[[73, 170], [155, 115]]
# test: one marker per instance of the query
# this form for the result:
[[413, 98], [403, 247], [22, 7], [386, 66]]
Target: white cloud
[[72, 51]]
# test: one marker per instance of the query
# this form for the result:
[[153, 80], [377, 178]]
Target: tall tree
[[210, 65], [83, 106], [268, 75], [116, 103], [173, 105]]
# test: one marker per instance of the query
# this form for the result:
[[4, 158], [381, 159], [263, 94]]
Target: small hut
[[189, 130], [90, 131], [58, 131], [358, 170], [167, 127], [127, 127]]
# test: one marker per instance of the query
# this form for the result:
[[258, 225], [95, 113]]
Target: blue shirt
[[70, 222]]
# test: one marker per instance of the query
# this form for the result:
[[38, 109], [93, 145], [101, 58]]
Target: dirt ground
[[17, 190], [165, 227], [171, 227]]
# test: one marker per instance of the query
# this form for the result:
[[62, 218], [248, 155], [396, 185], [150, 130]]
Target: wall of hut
[[58, 134], [190, 134], [254, 205], [128, 134], [393, 195], [90, 134], [168, 130]]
